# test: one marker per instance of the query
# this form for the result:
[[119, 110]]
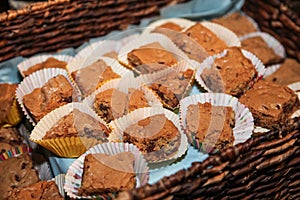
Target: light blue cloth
[[196, 10]]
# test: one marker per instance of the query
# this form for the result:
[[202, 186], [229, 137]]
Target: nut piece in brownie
[[237, 23], [211, 125], [288, 72], [7, 98], [39, 190], [57, 92], [16, 172], [206, 38], [271, 104], [78, 124], [9, 138], [91, 77], [231, 73], [156, 137], [112, 103], [260, 48], [104, 173], [171, 87], [49, 63], [150, 58]]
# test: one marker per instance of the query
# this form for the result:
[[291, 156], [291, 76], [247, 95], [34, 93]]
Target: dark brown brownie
[[7, 97], [236, 22], [231, 73], [156, 137], [211, 125], [49, 63], [289, 72], [16, 172], [260, 48], [78, 124], [9, 138], [271, 104], [104, 173], [170, 88], [57, 92], [46, 190]]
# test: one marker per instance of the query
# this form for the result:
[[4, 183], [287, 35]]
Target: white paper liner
[[60, 181], [123, 84], [223, 33], [27, 63], [295, 87], [244, 122], [120, 125], [183, 23], [271, 69], [53, 117], [104, 46], [145, 39], [183, 65], [207, 63], [273, 43], [74, 175], [37, 80]]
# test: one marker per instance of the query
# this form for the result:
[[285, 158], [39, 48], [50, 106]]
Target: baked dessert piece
[[168, 25], [9, 138], [104, 173], [49, 63], [78, 124], [91, 77], [206, 38], [237, 23], [7, 98], [260, 48], [289, 72], [156, 137], [211, 125], [150, 58], [112, 103], [170, 88], [231, 73], [16, 172], [57, 92], [111, 54], [40, 190], [271, 104]]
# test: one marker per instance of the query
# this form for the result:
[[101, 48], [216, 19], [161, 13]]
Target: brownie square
[[9, 138], [104, 173], [16, 172], [271, 104]]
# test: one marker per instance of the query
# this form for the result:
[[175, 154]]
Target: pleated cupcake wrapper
[[183, 23], [181, 66], [104, 46], [27, 63], [64, 146], [60, 181], [272, 42], [15, 151], [208, 62], [120, 125], [295, 87], [73, 177], [26, 135], [271, 69], [14, 116], [123, 84], [37, 80], [145, 39], [244, 122]]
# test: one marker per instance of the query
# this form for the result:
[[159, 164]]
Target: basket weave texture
[[280, 18], [58, 24]]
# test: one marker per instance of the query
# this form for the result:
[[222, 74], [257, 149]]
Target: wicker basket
[[58, 24]]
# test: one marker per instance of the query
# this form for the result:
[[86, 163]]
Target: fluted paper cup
[[73, 179], [244, 122], [70, 147]]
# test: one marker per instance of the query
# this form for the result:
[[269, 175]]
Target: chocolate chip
[[17, 178], [278, 106], [274, 79], [23, 166], [219, 67]]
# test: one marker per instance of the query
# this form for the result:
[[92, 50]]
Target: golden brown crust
[[7, 96]]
